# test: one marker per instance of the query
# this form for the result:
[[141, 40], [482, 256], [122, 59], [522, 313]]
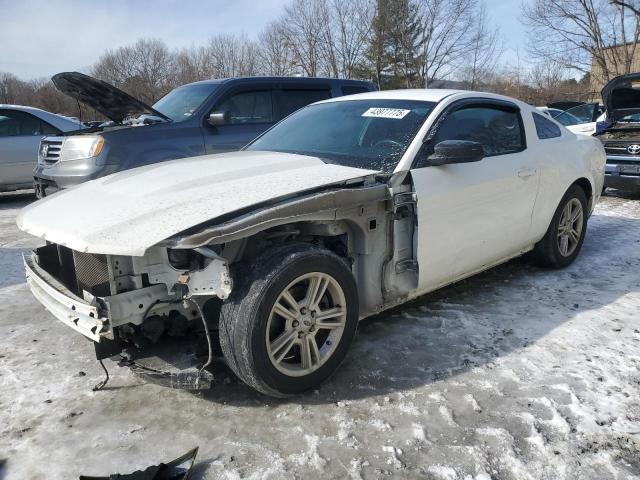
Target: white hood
[[128, 212]]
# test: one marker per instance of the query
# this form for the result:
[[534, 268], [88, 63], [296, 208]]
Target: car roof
[[23, 108], [260, 79], [423, 94], [62, 123]]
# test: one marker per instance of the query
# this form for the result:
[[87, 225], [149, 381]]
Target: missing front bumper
[[70, 309]]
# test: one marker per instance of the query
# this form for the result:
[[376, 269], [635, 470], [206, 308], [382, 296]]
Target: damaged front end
[[154, 298], [122, 302]]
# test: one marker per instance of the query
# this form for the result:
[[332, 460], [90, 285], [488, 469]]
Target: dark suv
[[211, 116]]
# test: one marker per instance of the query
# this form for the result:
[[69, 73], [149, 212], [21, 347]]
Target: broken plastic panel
[[178, 469]]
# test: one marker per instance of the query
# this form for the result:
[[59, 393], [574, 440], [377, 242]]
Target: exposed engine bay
[[159, 313]]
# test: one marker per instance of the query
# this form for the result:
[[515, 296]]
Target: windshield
[[631, 118], [584, 113], [179, 104], [371, 134]]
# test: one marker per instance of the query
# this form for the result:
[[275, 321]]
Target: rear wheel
[[563, 240], [289, 324]]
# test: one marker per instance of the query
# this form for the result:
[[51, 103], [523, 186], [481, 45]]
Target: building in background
[[614, 61]]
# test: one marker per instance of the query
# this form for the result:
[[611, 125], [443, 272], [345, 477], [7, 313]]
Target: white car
[[581, 119], [346, 208]]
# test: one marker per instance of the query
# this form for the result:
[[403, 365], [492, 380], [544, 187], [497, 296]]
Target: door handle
[[527, 172]]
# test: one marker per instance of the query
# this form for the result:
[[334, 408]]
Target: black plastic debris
[[178, 469], [173, 363], [190, 379]]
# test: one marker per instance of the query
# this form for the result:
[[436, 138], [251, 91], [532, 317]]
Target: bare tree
[[631, 5], [447, 34], [192, 64], [484, 54], [317, 37], [306, 23], [144, 69], [274, 52], [232, 56], [352, 24], [329, 61], [590, 36], [12, 89]]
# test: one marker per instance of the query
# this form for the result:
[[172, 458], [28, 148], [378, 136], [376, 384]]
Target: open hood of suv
[[621, 96], [110, 101]]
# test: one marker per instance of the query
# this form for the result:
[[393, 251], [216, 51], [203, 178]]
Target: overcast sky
[[43, 37]]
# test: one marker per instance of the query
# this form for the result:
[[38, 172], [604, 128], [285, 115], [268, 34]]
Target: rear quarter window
[[291, 99], [545, 128]]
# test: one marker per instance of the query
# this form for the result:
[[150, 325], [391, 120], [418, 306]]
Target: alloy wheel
[[570, 227], [305, 324]]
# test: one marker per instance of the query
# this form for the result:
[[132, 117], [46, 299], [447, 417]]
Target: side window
[[18, 124], [545, 128], [248, 107], [290, 100], [352, 90], [498, 130]]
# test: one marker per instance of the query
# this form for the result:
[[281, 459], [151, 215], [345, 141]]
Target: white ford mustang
[[345, 208]]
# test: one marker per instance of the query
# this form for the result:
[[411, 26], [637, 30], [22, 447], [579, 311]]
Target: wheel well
[[585, 185], [333, 236]]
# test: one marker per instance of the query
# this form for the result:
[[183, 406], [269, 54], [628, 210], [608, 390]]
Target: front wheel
[[562, 243], [289, 323]]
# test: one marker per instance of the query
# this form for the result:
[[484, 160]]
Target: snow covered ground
[[519, 373]]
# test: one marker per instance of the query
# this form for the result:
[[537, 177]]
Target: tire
[[550, 252], [250, 322]]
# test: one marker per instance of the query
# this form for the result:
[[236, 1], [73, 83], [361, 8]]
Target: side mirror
[[455, 151], [219, 118]]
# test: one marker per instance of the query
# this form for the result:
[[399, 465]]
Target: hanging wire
[[101, 385]]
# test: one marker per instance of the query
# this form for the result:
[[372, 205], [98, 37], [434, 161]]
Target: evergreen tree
[[394, 44]]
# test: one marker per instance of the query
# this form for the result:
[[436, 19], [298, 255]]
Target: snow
[[519, 373]]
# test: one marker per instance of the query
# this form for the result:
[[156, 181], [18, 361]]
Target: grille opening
[[77, 271], [50, 150], [621, 148], [58, 262], [92, 273]]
